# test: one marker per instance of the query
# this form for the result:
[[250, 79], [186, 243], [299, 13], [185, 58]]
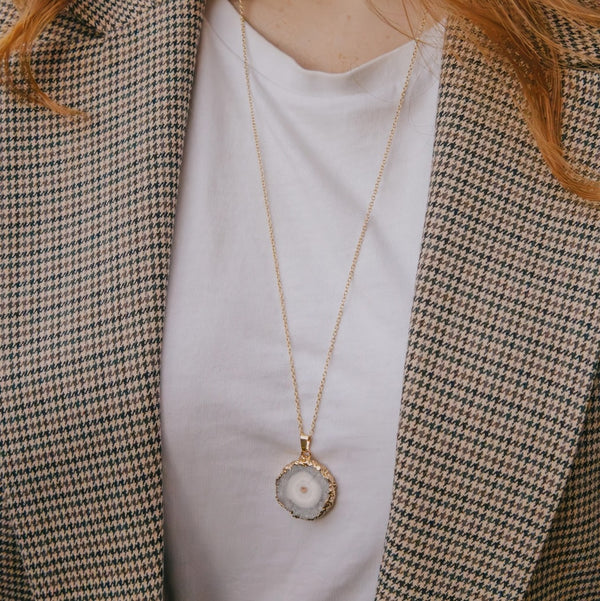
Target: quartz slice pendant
[[306, 488]]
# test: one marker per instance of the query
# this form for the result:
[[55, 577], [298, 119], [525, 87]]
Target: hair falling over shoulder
[[517, 31], [522, 32], [18, 41]]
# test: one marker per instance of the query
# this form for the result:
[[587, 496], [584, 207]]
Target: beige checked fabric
[[497, 485]]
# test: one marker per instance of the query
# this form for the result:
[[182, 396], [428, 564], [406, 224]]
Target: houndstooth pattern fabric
[[87, 218], [497, 485], [499, 435], [13, 580]]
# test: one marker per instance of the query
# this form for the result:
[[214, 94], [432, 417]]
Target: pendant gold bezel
[[306, 460]]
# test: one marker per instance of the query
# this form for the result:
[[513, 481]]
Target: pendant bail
[[305, 444]]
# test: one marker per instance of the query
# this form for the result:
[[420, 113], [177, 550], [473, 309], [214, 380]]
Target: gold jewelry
[[305, 487]]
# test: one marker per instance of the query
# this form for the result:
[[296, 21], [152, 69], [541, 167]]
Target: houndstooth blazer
[[497, 484]]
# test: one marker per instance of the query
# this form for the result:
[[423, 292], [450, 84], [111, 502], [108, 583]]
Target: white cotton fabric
[[228, 416]]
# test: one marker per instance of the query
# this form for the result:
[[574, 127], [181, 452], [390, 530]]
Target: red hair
[[518, 31]]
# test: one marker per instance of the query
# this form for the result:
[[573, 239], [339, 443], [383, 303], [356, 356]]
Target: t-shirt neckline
[[382, 76]]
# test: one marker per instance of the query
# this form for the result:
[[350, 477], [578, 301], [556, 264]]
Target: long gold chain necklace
[[305, 487]]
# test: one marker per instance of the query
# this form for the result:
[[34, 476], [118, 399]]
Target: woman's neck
[[333, 35]]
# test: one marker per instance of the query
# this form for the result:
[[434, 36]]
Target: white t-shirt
[[228, 416]]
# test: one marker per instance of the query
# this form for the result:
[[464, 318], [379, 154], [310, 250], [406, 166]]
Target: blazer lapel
[[87, 217], [502, 350]]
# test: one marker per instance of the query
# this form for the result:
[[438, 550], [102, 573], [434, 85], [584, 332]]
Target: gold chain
[[361, 237]]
